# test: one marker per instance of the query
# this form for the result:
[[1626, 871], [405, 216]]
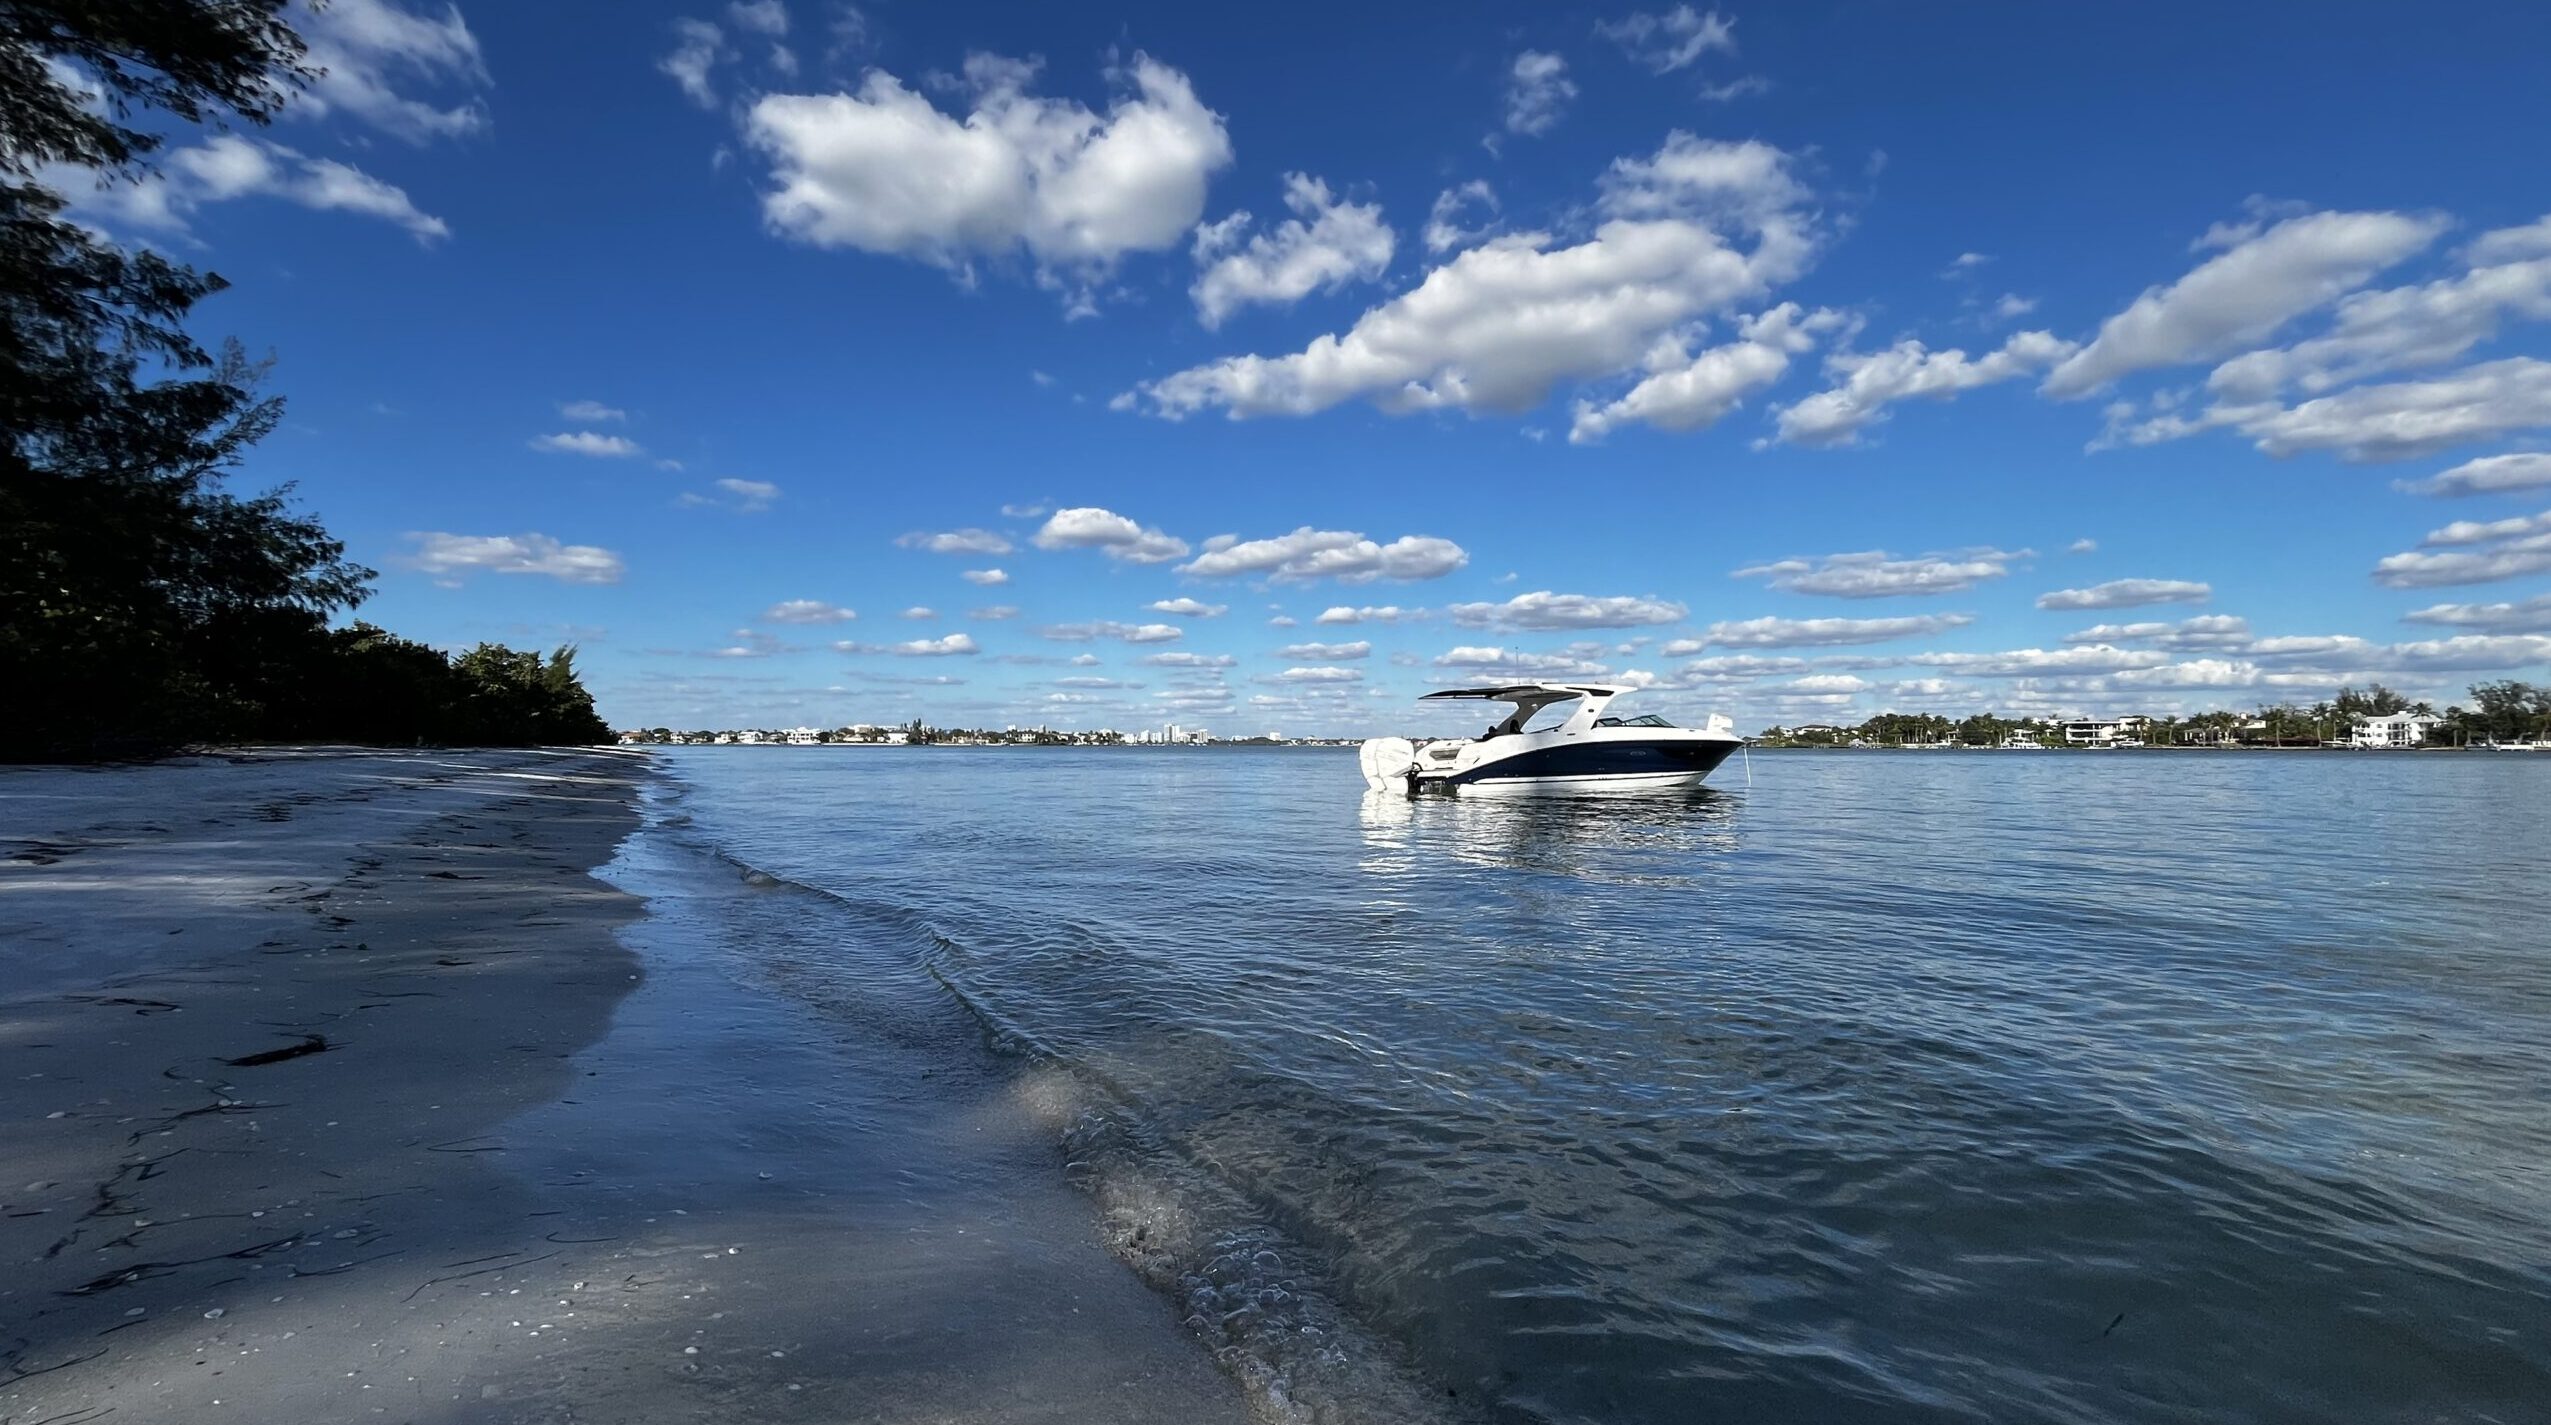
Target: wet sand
[[338, 1087]]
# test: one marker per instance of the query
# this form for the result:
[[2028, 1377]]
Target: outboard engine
[[1387, 761]]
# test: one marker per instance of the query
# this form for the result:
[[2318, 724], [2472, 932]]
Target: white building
[[2104, 731], [2398, 730]]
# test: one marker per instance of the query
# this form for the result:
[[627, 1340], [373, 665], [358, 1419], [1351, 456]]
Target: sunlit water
[[1899, 1087]]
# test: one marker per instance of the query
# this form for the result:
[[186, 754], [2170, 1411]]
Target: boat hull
[[1585, 765]]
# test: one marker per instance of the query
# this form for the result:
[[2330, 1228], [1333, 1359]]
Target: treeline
[[143, 604], [2504, 711]]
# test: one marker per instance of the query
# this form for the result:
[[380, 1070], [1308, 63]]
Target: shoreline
[[349, 1085]]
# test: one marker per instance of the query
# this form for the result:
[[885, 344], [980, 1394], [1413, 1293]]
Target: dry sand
[[540, 1158]]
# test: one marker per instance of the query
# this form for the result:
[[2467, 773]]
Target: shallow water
[[1901, 1086]]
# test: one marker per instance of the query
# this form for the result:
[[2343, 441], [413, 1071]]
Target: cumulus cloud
[[986, 577], [2025, 662], [1087, 527], [2472, 552], [1327, 652], [2529, 616], [1448, 224], [2207, 631], [1544, 610], [1538, 91], [749, 496], [955, 541], [1073, 191], [366, 50], [586, 442], [950, 645], [1183, 659], [229, 166], [1109, 628], [1320, 675], [1687, 392], [1496, 327], [1515, 663], [994, 611], [697, 48], [1869, 383], [1369, 613], [2392, 421], [919, 611], [1326, 244], [1670, 41], [1343, 555], [448, 556], [2082, 546], [590, 412], [807, 611], [2244, 294], [2127, 594], [2488, 475], [1875, 574], [1819, 632], [1185, 607]]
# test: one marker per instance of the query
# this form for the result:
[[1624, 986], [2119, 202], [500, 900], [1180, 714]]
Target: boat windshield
[[1642, 720]]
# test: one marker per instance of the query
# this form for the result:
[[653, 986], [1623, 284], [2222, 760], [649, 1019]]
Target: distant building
[[2398, 730], [2103, 731]]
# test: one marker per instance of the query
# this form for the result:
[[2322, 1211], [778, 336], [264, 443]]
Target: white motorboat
[[1587, 750]]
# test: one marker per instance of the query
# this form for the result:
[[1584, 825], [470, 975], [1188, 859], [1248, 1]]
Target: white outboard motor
[[1387, 761]]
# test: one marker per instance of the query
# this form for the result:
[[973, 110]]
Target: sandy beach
[[340, 1086]]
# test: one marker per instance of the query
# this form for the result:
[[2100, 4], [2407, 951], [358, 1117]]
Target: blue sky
[[1797, 361]]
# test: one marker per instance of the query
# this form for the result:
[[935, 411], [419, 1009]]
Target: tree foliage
[[141, 602]]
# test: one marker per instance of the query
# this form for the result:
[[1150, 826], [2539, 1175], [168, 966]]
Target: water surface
[[1897, 1087]]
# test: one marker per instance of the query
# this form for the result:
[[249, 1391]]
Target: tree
[[140, 602]]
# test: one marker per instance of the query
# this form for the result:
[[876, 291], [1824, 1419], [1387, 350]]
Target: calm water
[[1900, 1087]]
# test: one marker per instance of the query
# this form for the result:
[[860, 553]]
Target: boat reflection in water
[[1664, 836]]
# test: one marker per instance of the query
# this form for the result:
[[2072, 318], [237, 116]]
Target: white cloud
[[749, 496], [988, 578], [1819, 632], [760, 17], [2127, 594], [2472, 552], [1027, 511], [1182, 659], [1185, 607], [698, 46], [2025, 662], [1087, 527], [1444, 222], [586, 442], [1673, 40], [1875, 574], [951, 645], [1537, 92], [227, 167], [994, 611], [2488, 475], [955, 541], [2529, 616], [2206, 631], [1495, 327], [589, 412], [1690, 392], [807, 611], [362, 48], [884, 171], [2244, 294], [2402, 419], [1109, 628], [1320, 675], [1518, 664], [1870, 382], [1546, 610], [1327, 652], [1827, 683], [1369, 613], [451, 555], [1343, 555], [2082, 546], [1326, 244], [919, 611]]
